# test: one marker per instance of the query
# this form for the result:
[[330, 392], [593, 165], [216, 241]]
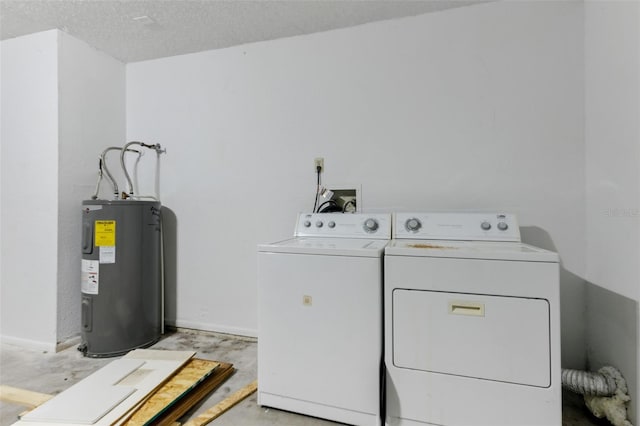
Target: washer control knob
[[413, 225], [319, 224], [503, 226], [307, 224], [331, 224], [370, 225], [485, 226]]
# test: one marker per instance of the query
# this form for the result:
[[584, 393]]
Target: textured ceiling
[[174, 27]]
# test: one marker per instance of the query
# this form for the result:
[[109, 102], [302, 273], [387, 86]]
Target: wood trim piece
[[23, 397], [224, 405]]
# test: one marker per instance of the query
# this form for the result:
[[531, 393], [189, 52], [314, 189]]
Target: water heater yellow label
[[105, 231]]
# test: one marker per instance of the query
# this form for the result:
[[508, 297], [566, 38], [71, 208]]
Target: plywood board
[[219, 376], [185, 380]]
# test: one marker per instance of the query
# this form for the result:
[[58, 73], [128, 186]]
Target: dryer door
[[498, 338]]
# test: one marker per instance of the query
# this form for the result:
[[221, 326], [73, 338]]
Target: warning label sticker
[[105, 233], [107, 254], [90, 280]]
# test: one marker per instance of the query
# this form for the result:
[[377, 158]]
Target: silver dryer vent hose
[[588, 382], [605, 393]]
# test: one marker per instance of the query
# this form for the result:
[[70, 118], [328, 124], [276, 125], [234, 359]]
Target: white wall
[[473, 108], [612, 40], [62, 103], [29, 190], [91, 118]]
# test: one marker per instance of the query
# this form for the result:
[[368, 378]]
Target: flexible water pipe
[[95, 194], [102, 165], [158, 150]]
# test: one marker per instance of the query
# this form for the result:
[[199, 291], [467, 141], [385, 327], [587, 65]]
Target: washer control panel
[[344, 225], [463, 226]]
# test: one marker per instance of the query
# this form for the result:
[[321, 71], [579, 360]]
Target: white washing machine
[[320, 318], [472, 323]]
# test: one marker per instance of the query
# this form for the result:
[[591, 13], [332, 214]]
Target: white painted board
[[108, 394], [89, 400]]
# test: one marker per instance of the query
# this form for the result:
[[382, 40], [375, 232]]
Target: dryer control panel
[[344, 225], [462, 226]]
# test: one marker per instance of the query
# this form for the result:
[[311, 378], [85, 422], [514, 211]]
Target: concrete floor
[[54, 372]]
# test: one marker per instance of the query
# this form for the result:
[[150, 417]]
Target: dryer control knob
[[331, 224], [319, 224], [307, 224], [370, 225], [485, 226], [413, 225], [503, 226]]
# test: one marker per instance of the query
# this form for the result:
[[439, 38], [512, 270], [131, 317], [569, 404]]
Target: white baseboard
[[29, 344], [217, 328], [71, 341]]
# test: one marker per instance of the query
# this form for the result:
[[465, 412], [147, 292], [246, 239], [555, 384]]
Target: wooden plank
[[222, 373], [224, 405], [185, 379], [22, 396]]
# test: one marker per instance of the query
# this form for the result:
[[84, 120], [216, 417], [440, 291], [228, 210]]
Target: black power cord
[[332, 207], [315, 204]]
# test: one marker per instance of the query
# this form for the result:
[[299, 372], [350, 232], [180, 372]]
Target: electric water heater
[[121, 276]]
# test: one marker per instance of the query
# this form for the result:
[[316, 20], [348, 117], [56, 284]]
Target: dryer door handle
[[466, 308]]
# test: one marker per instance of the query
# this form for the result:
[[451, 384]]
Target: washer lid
[[470, 250], [327, 246]]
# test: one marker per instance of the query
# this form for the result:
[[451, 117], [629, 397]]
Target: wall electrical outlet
[[318, 162]]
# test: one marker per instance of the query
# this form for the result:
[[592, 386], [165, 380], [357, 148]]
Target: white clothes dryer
[[320, 318], [472, 323]]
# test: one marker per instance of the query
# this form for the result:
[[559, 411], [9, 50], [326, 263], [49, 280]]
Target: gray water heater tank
[[121, 276]]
